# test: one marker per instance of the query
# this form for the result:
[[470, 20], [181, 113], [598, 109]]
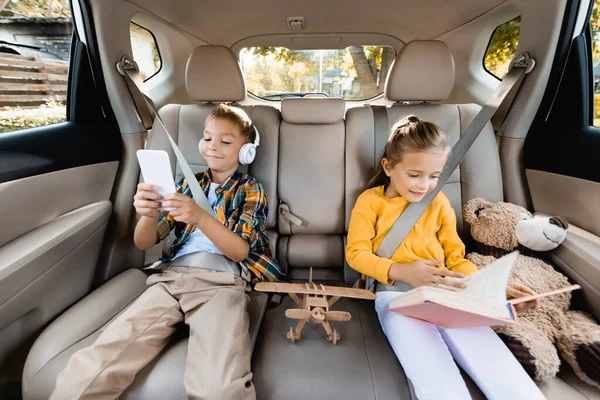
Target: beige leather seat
[[312, 176], [212, 75], [313, 164], [362, 365]]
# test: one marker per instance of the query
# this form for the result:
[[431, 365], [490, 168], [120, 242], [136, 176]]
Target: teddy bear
[[551, 327]]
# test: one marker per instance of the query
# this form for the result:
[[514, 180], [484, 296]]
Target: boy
[[199, 285]]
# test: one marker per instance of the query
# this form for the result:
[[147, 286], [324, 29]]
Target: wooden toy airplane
[[314, 304]]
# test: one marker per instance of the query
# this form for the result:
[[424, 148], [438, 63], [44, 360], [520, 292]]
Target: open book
[[482, 303]]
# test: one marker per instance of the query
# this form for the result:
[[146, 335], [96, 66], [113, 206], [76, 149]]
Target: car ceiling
[[227, 22]]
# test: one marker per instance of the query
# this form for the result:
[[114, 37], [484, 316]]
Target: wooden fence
[[31, 81]]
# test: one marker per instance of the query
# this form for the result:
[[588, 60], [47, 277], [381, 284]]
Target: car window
[[145, 51], [595, 33], [35, 43], [354, 73], [502, 48]]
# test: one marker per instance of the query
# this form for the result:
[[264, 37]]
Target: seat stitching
[[367, 353]]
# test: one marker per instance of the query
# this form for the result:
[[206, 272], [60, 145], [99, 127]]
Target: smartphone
[[156, 170]]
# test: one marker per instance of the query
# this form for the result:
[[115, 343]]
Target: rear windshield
[[353, 73]]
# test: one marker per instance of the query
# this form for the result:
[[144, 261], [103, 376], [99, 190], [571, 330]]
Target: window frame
[[490, 42], [155, 44]]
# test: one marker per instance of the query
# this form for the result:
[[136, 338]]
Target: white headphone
[[247, 151]]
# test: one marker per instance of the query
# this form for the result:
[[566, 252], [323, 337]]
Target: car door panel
[[561, 159], [572, 198], [49, 254], [48, 269], [579, 258], [56, 185], [31, 202]]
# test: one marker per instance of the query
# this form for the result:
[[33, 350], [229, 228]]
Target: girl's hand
[[516, 290], [146, 201], [185, 209], [424, 273]]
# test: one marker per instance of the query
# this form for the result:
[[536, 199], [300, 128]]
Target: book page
[[459, 301], [476, 305], [490, 282]]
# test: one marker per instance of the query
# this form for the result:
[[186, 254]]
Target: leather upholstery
[[213, 75], [361, 366], [311, 184], [314, 111], [316, 163], [186, 125], [52, 244], [423, 71], [78, 327]]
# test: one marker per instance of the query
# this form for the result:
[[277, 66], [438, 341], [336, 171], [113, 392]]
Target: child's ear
[[385, 164], [472, 209]]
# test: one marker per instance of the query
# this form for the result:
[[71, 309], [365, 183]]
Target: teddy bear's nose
[[560, 222]]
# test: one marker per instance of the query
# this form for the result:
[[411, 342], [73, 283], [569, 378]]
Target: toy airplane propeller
[[314, 304]]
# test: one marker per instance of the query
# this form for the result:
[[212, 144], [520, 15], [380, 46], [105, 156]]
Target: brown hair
[[237, 117], [409, 134]]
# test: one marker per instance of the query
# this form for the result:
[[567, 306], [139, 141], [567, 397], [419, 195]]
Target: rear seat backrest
[[213, 76], [311, 187], [424, 72]]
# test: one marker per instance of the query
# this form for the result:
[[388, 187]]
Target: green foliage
[[502, 47], [15, 118], [595, 28], [595, 31]]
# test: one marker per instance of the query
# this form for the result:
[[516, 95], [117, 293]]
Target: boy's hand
[[147, 201], [516, 290], [185, 209], [424, 273]]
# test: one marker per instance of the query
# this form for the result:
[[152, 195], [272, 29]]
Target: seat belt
[[146, 111], [499, 103]]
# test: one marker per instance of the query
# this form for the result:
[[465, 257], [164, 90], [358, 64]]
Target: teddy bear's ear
[[472, 209]]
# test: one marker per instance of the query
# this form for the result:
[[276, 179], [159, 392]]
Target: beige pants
[[213, 304]]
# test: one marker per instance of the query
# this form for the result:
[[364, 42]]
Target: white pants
[[428, 353]]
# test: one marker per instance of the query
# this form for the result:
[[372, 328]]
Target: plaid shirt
[[242, 207]]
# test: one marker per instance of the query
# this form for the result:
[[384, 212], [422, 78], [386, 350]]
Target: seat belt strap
[[129, 69], [521, 65], [147, 110], [503, 109]]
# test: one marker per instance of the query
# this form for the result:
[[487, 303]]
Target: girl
[[431, 254]]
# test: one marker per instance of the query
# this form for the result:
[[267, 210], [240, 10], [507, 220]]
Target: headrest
[[312, 110], [213, 74], [423, 71]]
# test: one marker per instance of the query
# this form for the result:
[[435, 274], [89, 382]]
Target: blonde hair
[[237, 117], [409, 134]]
